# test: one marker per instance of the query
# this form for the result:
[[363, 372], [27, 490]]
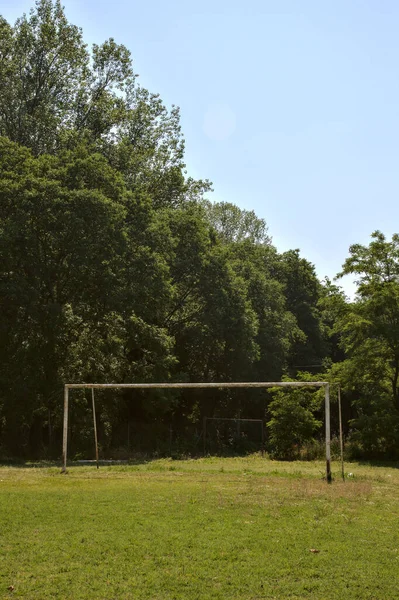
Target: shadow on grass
[[147, 460], [133, 461], [46, 464]]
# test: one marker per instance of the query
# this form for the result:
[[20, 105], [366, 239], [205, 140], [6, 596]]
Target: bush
[[376, 435], [292, 423]]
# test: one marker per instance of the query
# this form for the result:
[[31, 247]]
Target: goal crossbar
[[221, 385], [240, 384]]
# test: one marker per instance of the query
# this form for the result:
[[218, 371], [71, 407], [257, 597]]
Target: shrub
[[292, 423]]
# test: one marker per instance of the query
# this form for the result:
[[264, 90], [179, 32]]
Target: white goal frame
[[249, 384]]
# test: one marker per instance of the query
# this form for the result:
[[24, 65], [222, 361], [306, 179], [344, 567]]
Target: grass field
[[239, 528]]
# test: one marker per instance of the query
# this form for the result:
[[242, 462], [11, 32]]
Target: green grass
[[201, 529]]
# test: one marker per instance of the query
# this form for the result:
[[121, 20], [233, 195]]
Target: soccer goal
[[221, 385]]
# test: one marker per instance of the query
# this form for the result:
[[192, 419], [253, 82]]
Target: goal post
[[221, 385]]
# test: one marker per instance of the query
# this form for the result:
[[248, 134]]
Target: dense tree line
[[116, 268]]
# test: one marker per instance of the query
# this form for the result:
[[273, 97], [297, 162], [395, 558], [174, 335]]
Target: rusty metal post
[[65, 431], [341, 437], [204, 434], [328, 433], [95, 425]]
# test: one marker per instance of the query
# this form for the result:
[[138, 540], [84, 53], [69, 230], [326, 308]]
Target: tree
[[371, 325], [369, 335], [292, 422], [74, 302], [332, 305], [51, 90], [277, 330], [234, 224], [54, 94], [57, 244], [150, 152], [302, 292]]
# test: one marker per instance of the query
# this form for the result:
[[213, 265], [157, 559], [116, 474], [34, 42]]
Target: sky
[[290, 108]]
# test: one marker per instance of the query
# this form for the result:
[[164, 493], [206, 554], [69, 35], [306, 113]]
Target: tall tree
[[369, 332], [51, 89], [83, 290], [371, 324], [302, 291], [234, 224]]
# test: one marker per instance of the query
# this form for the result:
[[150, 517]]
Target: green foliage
[[115, 267], [369, 335], [303, 292], [53, 92], [234, 224], [292, 422], [71, 309]]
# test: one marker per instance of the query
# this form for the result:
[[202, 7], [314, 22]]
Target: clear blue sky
[[290, 107]]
